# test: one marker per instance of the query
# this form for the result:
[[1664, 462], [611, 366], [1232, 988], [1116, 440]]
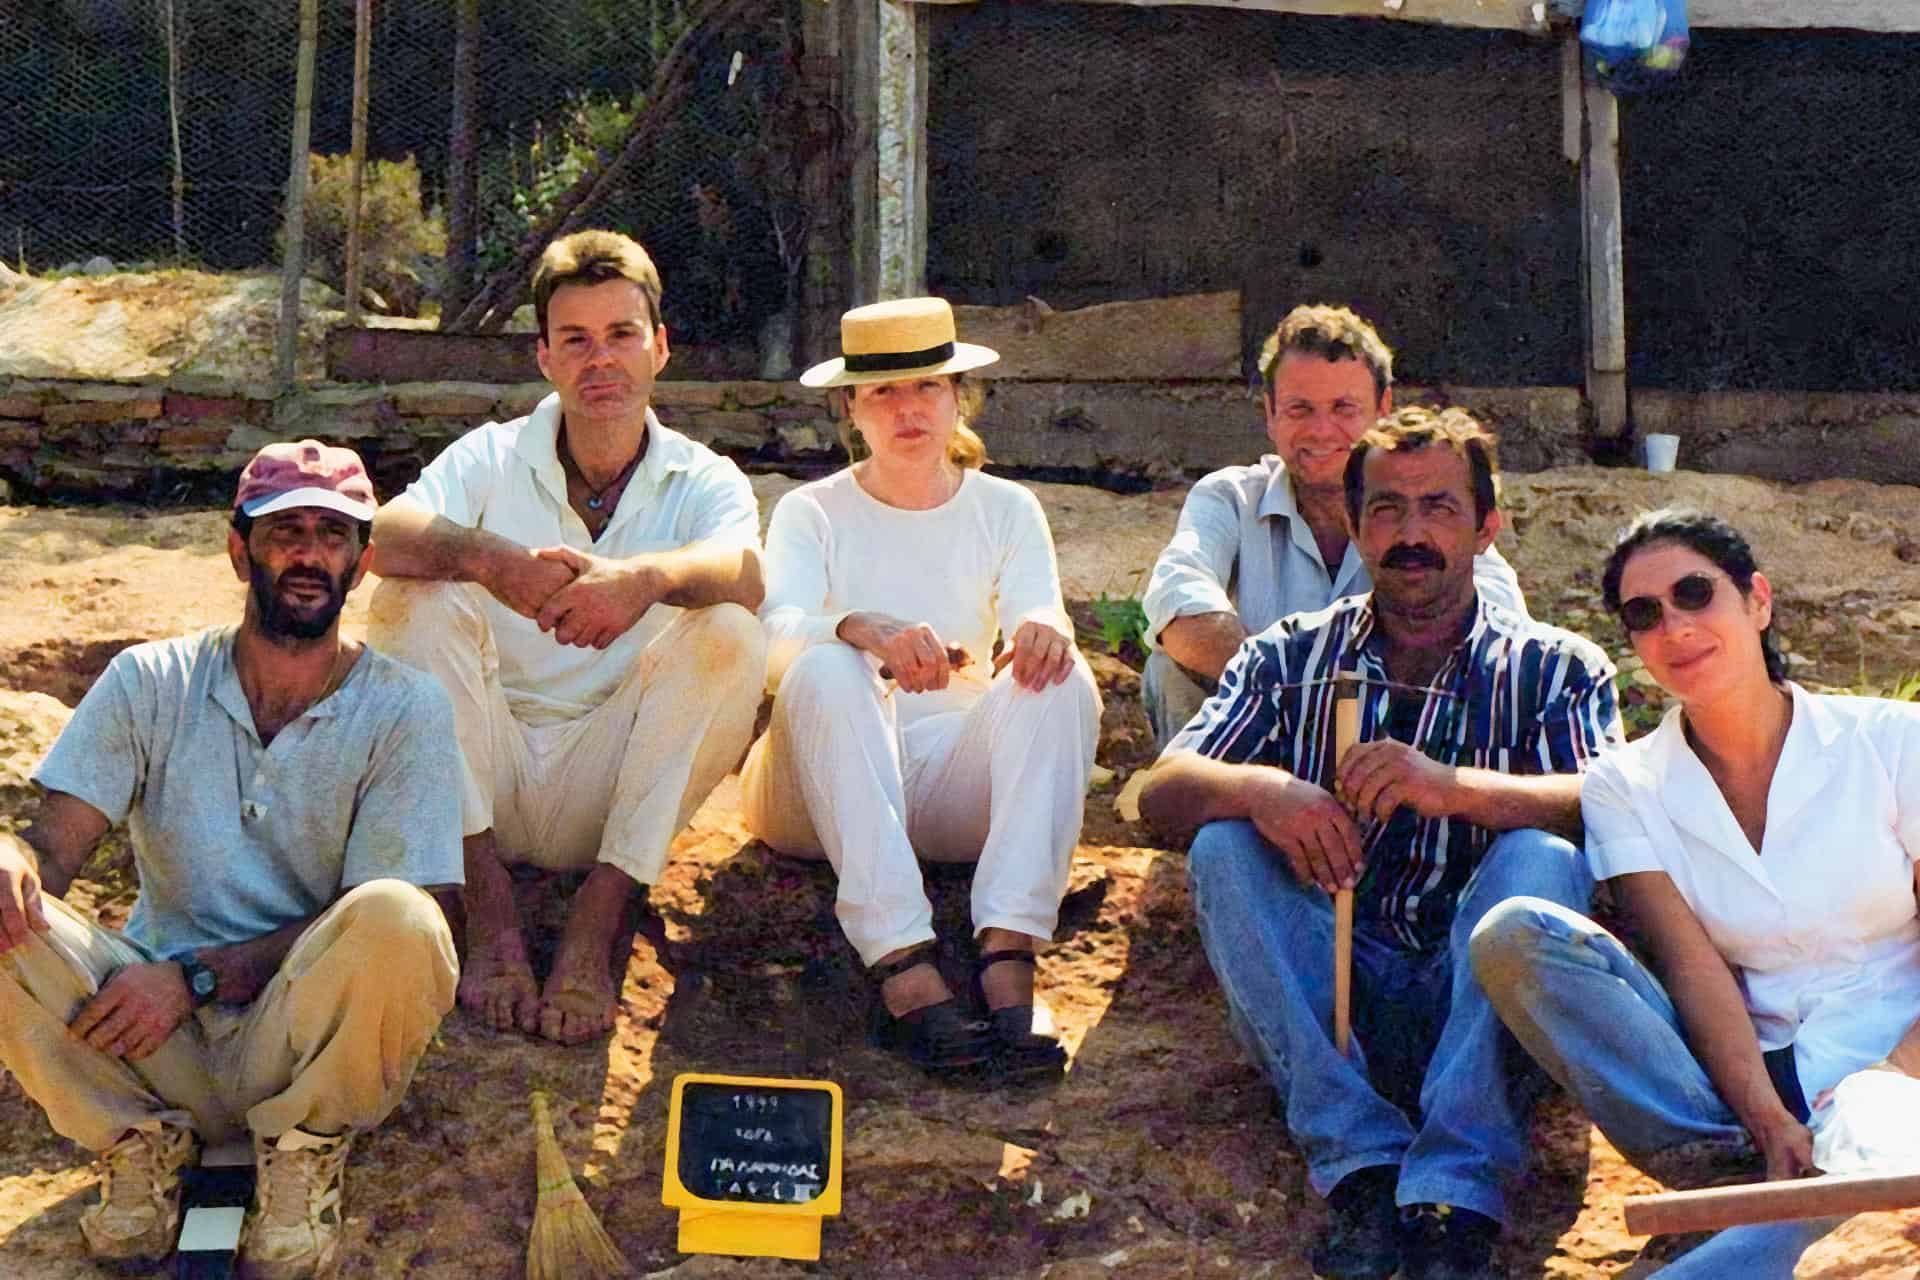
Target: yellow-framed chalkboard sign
[[753, 1163]]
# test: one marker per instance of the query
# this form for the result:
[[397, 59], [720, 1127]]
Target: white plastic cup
[[1662, 451]]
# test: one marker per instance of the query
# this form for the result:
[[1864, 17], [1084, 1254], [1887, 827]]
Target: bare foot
[[580, 1000], [582, 994], [496, 984]]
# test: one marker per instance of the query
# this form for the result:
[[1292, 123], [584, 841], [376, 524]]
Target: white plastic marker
[[215, 1198], [1346, 732]]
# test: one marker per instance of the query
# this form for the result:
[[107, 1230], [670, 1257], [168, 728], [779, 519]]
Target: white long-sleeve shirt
[[973, 568]]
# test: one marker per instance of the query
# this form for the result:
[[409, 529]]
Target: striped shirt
[[1516, 696]]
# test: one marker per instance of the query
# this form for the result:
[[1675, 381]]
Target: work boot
[[137, 1218], [293, 1230], [1363, 1243], [1446, 1242]]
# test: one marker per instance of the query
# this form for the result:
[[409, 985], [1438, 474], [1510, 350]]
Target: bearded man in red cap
[[285, 965]]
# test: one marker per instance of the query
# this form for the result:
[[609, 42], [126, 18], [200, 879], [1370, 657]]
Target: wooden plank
[[1714, 1208], [420, 355], [287, 338], [1854, 15], [1499, 15], [1521, 15], [1195, 337]]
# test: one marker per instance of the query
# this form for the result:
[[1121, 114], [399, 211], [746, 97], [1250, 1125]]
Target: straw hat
[[891, 341]]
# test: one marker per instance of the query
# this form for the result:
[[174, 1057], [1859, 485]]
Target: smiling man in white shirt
[[583, 581], [1258, 542]]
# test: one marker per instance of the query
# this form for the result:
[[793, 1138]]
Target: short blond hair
[[594, 257], [1332, 333], [1416, 427]]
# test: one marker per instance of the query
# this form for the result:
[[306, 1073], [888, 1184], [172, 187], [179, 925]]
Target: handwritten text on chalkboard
[[765, 1145]]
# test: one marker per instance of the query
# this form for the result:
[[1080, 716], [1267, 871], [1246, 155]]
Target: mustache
[[1404, 556]]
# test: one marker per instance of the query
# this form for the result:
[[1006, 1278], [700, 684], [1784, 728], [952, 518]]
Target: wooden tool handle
[[1711, 1208], [957, 657], [1346, 732]]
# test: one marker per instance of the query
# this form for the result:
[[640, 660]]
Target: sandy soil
[[1159, 1155]]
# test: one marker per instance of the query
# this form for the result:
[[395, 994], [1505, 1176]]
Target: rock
[[29, 722], [98, 265]]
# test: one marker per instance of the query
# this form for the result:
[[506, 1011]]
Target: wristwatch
[[202, 982]]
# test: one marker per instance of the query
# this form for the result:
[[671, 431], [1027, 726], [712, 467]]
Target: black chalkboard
[[759, 1143]]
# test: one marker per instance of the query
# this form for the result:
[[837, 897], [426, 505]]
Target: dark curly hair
[[1704, 534]]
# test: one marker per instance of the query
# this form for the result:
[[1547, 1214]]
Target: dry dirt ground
[[1157, 1157]]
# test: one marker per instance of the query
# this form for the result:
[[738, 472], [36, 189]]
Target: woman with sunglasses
[[896, 734], [1765, 841]]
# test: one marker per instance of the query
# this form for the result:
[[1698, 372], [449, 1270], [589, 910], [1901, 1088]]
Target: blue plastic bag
[[1635, 45]]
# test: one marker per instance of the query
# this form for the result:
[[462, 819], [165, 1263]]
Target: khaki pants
[[615, 785], [1003, 783], [330, 1044]]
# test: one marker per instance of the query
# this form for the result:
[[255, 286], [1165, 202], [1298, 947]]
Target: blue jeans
[[1604, 1027], [1419, 1016]]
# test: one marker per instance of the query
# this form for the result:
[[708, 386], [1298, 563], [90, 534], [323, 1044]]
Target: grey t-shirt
[[233, 839]]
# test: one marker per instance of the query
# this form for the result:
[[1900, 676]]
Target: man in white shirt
[[583, 581], [1258, 542]]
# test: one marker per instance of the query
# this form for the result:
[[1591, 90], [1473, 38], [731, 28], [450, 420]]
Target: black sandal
[[936, 1037], [1019, 1052]]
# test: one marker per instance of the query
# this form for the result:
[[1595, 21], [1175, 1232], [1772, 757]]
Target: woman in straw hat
[[896, 734]]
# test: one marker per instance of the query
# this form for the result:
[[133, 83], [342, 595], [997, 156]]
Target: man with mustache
[[1475, 723], [1258, 542], [583, 581], [285, 966]]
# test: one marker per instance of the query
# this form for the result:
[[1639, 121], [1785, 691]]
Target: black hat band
[[882, 361]]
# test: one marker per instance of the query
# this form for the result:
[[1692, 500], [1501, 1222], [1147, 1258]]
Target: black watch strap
[[202, 983]]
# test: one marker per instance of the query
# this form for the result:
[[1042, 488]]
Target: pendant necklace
[[597, 498]]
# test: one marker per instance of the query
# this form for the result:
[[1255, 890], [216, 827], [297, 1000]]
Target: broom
[[567, 1240]]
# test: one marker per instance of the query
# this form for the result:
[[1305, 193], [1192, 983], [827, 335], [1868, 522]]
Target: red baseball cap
[[305, 473]]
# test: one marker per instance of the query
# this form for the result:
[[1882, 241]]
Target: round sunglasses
[[1690, 594]]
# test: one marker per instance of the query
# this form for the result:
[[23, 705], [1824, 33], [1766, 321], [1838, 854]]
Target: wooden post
[[1713, 1208], [362, 56], [1604, 256], [173, 124], [1346, 732], [463, 195], [287, 344], [901, 140]]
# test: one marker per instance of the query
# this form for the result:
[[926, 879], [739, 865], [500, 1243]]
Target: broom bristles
[[567, 1240]]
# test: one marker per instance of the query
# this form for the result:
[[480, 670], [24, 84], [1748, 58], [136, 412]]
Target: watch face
[[204, 983]]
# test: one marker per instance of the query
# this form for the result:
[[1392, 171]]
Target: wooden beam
[[901, 143], [1526, 15], [1604, 256], [1499, 15], [1851, 15], [1714, 1208]]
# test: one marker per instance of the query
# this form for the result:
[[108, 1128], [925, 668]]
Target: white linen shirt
[[1820, 928], [1242, 546], [505, 477]]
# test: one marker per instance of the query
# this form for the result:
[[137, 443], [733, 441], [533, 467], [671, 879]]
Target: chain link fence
[[155, 132]]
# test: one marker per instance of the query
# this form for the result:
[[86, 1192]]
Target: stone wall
[[155, 443], [90, 441]]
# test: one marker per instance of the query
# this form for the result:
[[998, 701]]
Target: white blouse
[[974, 567], [1821, 928]]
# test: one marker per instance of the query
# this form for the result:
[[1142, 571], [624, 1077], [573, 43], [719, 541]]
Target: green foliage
[[524, 184], [395, 233], [1123, 622]]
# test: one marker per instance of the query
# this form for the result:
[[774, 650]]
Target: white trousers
[[1003, 782], [615, 785]]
